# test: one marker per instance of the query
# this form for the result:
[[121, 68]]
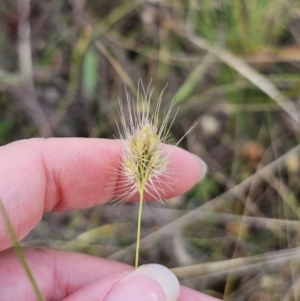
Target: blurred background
[[233, 67]]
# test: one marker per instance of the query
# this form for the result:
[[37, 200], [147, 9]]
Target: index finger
[[40, 175]]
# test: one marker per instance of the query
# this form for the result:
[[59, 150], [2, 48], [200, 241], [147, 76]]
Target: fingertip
[[203, 168], [151, 282], [188, 168]]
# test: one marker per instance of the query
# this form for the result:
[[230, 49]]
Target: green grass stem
[[138, 236]]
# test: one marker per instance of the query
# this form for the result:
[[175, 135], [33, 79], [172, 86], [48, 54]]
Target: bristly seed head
[[143, 159]]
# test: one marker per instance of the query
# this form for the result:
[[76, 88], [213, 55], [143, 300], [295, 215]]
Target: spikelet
[[144, 159]]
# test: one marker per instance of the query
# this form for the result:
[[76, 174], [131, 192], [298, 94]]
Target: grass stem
[[138, 236]]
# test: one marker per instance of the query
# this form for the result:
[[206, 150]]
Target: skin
[[61, 174]]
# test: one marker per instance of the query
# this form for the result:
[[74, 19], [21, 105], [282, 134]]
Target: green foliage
[[243, 26], [6, 128], [90, 76]]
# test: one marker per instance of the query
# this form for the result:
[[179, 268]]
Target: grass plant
[[144, 160]]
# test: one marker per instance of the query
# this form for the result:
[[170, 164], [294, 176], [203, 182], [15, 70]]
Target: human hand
[[60, 174]]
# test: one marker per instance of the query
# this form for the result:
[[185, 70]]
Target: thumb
[[148, 282], [151, 282]]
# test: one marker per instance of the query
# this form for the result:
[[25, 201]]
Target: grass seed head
[[144, 159]]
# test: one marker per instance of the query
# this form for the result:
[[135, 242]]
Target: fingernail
[[203, 168], [151, 282]]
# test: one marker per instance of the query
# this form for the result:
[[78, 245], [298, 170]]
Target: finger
[[39, 175], [150, 282], [81, 277], [191, 295], [73, 277]]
